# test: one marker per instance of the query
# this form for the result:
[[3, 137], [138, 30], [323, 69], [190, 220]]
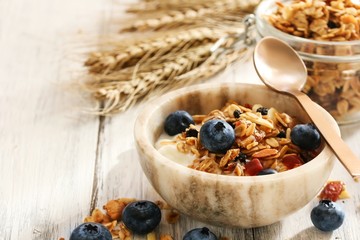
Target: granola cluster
[[111, 218], [260, 137], [331, 20], [335, 85]]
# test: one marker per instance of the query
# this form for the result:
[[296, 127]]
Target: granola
[[334, 84], [111, 218], [265, 138], [336, 20]]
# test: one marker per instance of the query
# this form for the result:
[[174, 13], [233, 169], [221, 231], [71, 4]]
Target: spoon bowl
[[282, 69]]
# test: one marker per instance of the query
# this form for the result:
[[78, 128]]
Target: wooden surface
[[57, 163]]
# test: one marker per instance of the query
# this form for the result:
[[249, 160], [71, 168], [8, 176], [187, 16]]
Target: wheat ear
[[120, 90], [180, 16], [128, 55]]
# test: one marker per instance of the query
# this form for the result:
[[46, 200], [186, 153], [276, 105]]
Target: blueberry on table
[[91, 231], [177, 122], [267, 171], [217, 135], [141, 217], [200, 234], [305, 136], [327, 216]]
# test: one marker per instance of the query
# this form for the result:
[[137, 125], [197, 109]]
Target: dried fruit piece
[[292, 161], [333, 191], [253, 167]]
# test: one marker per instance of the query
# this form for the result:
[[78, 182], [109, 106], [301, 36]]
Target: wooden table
[[58, 163]]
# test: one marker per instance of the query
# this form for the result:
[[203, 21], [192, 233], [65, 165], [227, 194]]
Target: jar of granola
[[326, 35]]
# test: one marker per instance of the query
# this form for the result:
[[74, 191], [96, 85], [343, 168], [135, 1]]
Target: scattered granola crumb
[[172, 216], [151, 236]]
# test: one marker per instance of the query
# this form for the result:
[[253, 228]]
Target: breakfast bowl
[[224, 200]]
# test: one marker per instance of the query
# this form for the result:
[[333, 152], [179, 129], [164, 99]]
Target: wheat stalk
[[120, 90], [125, 55], [130, 72], [154, 6], [180, 15]]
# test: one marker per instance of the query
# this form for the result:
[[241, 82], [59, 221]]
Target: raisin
[[236, 113], [192, 133], [263, 110], [332, 24], [282, 134], [241, 157]]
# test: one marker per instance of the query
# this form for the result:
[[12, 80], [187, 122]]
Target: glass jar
[[333, 67]]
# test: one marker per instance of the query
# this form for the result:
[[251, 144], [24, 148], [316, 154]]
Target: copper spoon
[[282, 69]]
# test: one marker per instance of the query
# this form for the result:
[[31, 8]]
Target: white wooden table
[[57, 163]]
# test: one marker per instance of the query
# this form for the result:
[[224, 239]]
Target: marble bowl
[[247, 201]]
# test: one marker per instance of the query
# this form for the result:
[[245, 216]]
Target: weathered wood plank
[[47, 149]]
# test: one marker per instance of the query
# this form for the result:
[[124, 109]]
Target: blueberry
[[306, 136], [327, 216], [217, 135], [177, 122], [91, 231], [200, 234], [141, 217], [262, 110], [267, 171]]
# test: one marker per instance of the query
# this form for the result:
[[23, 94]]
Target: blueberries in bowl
[[217, 135], [91, 231], [327, 216], [141, 217], [306, 136], [177, 122], [200, 234]]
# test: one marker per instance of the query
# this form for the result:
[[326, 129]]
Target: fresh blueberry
[[91, 231], [262, 110], [200, 234], [327, 216], [177, 122], [217, 135], [267, 171], [141, 217], [306, 136]]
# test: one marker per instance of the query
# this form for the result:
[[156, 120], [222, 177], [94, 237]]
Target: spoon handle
[[341, 150]]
